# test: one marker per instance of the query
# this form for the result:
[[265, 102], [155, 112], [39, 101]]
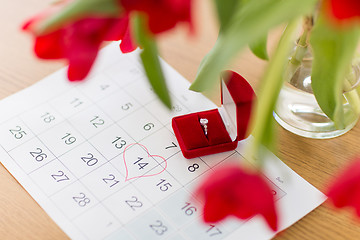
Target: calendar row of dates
[[136, 124], [176, 217]]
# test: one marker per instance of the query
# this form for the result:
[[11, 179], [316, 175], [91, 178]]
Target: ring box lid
[[237, 97]]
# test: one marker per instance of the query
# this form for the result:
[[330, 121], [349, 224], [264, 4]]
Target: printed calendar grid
[[58, 156], [115, 102], [78, 179]]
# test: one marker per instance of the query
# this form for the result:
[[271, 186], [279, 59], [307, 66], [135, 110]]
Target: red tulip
[[162, 14], [344, 9], [345, 191], [79, 41], [232, 191]]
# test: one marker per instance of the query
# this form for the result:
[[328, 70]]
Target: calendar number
[[164, 185], [61, 176], [76, 102], [141, 164], [213, 231], [126, 106], [159, 228], [111, 180], [18, 133], [193, 167], [134, 203], [176, 108], [97, 121], [68, 139], [90, 160], [47, 117], [189, 209], [119, 143], [171, 146], [38, 155], [148, 126], [82, 200]]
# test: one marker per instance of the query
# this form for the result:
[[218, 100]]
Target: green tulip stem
[[300, 50], [352, 97], [272, 82]]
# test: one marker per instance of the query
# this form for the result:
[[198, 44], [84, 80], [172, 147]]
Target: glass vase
[[298, 111]]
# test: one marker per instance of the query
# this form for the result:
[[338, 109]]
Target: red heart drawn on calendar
[[140, 163]]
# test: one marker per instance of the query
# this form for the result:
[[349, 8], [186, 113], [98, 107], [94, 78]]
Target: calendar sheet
[[101, 159]]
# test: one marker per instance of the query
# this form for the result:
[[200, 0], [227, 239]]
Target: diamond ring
[[203, 123]]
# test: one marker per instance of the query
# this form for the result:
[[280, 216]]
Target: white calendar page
[[101, 159]]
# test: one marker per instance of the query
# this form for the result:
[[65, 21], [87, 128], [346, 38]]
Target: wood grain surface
[[315, 160]]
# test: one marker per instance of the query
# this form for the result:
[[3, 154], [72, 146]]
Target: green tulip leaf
[[333, 50], [259, 48], [150, 59], [248, 24], [225, 10]]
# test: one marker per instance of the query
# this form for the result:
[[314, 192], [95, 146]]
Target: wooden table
[[315, 160]]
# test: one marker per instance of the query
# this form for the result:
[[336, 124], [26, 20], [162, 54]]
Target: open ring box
[[226, 125]]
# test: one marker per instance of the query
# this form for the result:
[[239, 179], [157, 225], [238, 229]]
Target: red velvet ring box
[[226, 125]]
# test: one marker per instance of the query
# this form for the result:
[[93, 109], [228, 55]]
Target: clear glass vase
[[298, 111]]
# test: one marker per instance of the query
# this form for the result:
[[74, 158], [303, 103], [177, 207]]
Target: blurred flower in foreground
[[161, 15], [74, 30], [345, 9], [232, 191], [78, 40], [345, 191]]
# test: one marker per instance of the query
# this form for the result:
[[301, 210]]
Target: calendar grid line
[[79, 179], [159, 212], [76, 179], [284, 193], [178, 228], [138, 78], [8, 152], [233, 152], [40, 186], [100, 201], [56, 158], [32, 108]]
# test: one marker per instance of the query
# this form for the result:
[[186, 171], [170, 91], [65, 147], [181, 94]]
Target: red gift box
[[226, 125]]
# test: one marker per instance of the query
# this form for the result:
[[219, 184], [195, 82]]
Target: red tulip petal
[[49, 46], [78, 70], [26, 25], [81, 61], [162, 14], [79, 41], [215, 209], [117, 29], [345, 9], [345, 191], [355, 201], [348, 182], [127, 44], [231, 191]]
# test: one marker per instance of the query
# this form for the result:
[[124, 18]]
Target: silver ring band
[[203, 123]]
